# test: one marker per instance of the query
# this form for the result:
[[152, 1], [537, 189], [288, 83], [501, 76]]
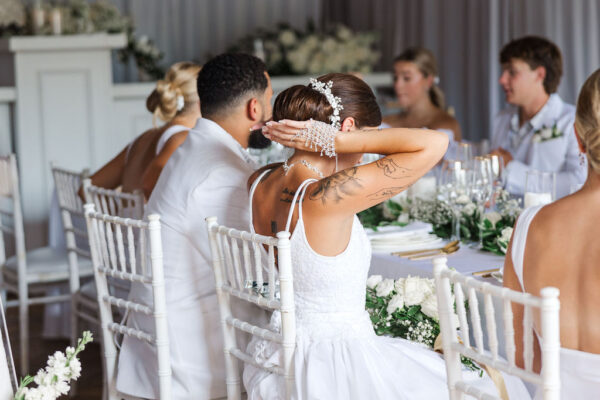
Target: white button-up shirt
[[532, 151], [206, 176]]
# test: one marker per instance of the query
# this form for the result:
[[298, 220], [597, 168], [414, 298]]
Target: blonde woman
[[557, 245], [174, 101], [421, 100]]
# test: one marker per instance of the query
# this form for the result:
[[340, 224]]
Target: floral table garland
[[496, 226]]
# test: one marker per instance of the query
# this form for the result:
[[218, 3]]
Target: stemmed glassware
[[464, 153], [454, 189], [482, 189]]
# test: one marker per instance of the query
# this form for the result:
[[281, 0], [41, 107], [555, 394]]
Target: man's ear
[[540, 73], [349, 124], [253, 109]]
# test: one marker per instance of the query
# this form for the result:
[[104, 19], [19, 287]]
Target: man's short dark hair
[[536, 51], [227, 79]]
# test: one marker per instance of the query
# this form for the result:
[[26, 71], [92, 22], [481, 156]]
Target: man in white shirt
[[206, 176], [536, 131]]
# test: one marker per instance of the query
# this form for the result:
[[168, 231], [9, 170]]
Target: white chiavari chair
[[83, 298], [118, 247], [33, 271], [114, 202], [547, 305], [238, 268]]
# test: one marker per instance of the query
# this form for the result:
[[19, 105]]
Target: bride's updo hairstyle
[[301, 103], [587, 119], [426, 63], [180, 80]]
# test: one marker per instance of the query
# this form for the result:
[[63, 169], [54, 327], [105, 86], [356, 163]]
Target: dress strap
[[301, 189], [252, 189], [519, 239]]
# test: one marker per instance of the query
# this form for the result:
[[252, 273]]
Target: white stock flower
[[62, 387], [343, 33], [42, 378], [493, 217], [287, 38], [373, 281], [429, 307], [75, 367], [403, 218], [396, 303], [506, 234], [384, 288], [546, 133], [415, 290], [469, 209]]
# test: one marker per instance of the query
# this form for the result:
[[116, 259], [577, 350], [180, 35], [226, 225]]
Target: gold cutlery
[[416, 252], [434, 254], [486, 273]]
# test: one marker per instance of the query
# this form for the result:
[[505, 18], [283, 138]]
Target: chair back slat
[[491, 353], [256, 277], [114, 202], [107, 245]]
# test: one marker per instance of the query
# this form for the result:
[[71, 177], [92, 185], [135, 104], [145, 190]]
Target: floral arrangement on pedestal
[[53, 381], [289, 51], [495, 226], [406, 308], [81, 17]]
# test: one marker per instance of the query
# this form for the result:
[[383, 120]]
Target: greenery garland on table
[[496, 226]]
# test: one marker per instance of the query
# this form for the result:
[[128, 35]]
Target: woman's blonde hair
[[180, 80], [425, 61], [587, 119]]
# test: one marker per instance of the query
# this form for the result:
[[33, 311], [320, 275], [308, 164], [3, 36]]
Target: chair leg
[[24, 331], [74, 335]]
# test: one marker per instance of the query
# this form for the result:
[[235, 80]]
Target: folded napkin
[[415, 236]]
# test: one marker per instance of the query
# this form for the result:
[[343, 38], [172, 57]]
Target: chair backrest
[[548, 306], [67, 184], [119, 251], [238, 258], [11, 216], [114, 202]]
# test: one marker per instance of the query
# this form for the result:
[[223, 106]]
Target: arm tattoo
[[336, 186], [386, 193], [393, 170]]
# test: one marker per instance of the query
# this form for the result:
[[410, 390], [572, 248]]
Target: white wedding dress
[[338, 355], [579, 371]]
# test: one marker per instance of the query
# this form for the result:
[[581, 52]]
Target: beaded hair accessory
[[335, 101]]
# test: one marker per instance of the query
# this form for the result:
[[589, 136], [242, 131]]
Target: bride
[[338, 355]]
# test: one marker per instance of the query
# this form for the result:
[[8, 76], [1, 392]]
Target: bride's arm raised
[[410, 153]]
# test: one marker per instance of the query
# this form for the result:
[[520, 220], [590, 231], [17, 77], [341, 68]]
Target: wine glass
[[540, 188], [454, 190], [482, 188], [464, 153]]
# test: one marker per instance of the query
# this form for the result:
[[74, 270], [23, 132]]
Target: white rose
[[373, 281], [403, 218], [493, 217], [429, 307], [546, 133], [287, 38], [400, 198], [387, 212], [414, 291], [463, 199], [469, 209], [384, 288], [396, 303], [506, 234], [536, 138], [399, 285]]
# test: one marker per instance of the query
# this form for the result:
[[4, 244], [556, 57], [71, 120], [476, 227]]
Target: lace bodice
[[329, 291]]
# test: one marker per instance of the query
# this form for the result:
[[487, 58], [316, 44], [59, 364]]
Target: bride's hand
[[286, 132]]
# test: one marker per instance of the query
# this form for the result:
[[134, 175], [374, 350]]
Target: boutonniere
[[545, 133]]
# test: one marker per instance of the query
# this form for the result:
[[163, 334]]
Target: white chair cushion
[[48, 264]]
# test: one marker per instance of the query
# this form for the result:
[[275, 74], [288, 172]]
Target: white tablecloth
[[466, 261]]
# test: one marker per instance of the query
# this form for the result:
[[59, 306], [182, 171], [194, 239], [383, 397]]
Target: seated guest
[[419, 96], [536, 131], [175, 101], [556, 245], [205, 177]]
